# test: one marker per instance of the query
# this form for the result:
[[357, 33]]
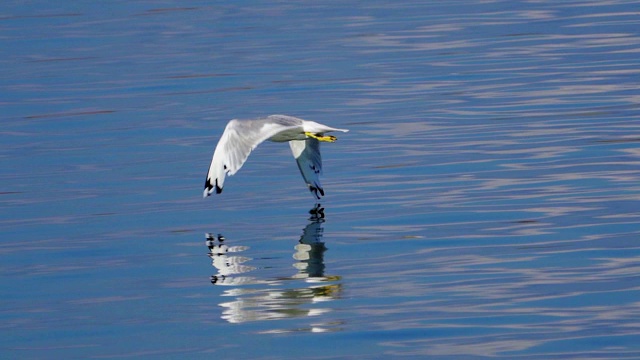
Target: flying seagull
[[242, 136]]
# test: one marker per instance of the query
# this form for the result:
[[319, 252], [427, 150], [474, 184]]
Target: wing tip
[[315, 190], [209, 188]]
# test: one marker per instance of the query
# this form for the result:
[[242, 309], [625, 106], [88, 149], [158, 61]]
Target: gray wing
[[233, 149], [307, 154]]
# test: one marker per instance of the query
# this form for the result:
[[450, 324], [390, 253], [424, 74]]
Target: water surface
[[484, 204]]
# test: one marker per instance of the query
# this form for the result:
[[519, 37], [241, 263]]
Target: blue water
[[486, 202]]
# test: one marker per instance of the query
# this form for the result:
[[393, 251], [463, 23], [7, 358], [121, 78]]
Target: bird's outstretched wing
[[307, 154], [235, 145]]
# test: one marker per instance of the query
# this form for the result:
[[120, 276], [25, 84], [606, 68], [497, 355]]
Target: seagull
[[242, 136]]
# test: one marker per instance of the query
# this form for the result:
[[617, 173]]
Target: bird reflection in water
[[228, 265], [297, 295]]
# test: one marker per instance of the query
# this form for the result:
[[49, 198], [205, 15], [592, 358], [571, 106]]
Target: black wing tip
[[315, 190], [208, 187]]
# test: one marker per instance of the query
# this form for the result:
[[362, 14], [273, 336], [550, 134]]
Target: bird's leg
[[327, 138]]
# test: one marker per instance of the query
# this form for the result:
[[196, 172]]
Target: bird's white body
[[240, 137]]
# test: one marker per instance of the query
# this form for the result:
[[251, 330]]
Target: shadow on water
[[255, 298]]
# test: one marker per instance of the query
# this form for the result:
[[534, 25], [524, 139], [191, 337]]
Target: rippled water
[[484, 204]]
